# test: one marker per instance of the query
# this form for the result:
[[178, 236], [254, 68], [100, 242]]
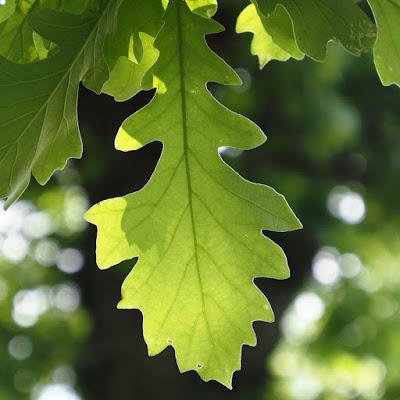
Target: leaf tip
[[125, 142], [89, 215], [8, 203], [122, 305]]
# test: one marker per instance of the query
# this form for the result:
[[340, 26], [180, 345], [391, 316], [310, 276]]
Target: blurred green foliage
[[352, 353], [334, 151], [341, 335], [42, 323]]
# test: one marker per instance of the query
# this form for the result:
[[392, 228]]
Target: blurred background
[[333, 151]]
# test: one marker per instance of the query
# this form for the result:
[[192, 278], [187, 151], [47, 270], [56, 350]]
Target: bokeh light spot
[[28, 306], [58, 391], [346, 205], [67, 298], [325, 267], [70, 261], [309, 306], [20, 347]]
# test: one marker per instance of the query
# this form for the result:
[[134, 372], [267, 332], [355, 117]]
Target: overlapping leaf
[[196, 225], [262, 45], [38, 122], [387, 47], [130, 51], [19, 42], [306, 26], [206, 8]]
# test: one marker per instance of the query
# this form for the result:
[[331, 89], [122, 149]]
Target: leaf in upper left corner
[[38, 102], [7, 10], [18, 40]]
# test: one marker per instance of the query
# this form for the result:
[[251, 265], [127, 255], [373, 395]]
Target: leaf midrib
[[186, 153]]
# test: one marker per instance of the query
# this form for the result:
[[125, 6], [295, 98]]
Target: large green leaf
[[38, 122], [196, 225], [317, 22], [387, 47]]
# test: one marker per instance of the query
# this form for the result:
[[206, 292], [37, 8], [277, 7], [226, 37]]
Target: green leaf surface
[[17, 42], [130, 51], [279, 26], [79, 7], [317, 22], [104, 25], [262, 44], [7, 10], [206, 8], [38, 102], [20, 43], [196, 226], [387, 46]]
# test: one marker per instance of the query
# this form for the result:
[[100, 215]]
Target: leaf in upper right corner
[[18, 40], [387, 46], [317, 22]]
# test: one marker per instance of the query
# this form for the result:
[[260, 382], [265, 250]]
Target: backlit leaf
[[196, 226], [130, 51], [262, 44], [19, 42], [317, 22], [17, 36]]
